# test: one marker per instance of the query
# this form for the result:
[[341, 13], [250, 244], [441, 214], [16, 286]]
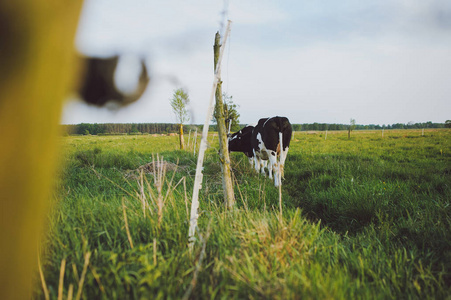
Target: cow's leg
[[270, 169], [263, 163], [257, 163], [251, 161], [274, 165]]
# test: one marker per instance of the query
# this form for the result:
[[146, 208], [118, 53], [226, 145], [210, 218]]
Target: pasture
[[363, 218]]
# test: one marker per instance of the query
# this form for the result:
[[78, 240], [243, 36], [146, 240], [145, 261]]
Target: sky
[[375, 61]]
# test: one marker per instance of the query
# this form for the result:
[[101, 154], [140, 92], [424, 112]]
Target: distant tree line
[[325, 126], [165, 128], [125, 128]]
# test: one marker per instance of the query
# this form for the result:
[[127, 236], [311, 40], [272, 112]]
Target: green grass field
[[363, 218]]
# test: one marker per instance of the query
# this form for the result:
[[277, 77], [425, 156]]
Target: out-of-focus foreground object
[[97, 85], [37, 61]]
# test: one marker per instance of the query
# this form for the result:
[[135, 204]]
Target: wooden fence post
[[224, 157], [203, 146]]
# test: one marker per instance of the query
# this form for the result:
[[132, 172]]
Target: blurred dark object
[[97, 82]]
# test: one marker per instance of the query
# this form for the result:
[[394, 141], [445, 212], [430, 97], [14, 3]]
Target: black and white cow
[[241, 142], [269, 141]]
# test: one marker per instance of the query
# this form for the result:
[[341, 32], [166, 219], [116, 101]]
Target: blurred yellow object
[[37, 62]]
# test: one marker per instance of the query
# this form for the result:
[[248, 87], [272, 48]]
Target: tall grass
[[363, 218]]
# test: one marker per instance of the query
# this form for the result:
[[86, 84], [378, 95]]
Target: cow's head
[[241, 141]]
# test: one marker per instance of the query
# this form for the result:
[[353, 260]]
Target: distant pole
[[189, 138], [422, 132], [203, 146], [195, 142], [326, 135], [382, 132]]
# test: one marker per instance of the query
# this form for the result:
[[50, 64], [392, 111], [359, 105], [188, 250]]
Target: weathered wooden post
[[202, 148], [229, 196]]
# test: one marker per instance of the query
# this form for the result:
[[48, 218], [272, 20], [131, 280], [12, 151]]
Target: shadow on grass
[[350, 195]]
